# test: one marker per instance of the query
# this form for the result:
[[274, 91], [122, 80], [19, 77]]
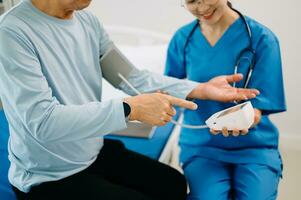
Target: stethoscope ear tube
[[248, 77], [249, 49]]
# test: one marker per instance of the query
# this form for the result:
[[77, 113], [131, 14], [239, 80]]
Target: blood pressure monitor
[[237, 117]]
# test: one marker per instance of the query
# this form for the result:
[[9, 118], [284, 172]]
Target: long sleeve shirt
[[50, 88]]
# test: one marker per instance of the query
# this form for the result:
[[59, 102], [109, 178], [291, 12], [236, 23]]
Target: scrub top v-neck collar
[[222, 40]]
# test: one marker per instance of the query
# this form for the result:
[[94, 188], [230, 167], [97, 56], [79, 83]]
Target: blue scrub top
[[204, 62]]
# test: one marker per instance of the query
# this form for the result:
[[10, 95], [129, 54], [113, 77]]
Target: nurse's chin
[[211, 21]]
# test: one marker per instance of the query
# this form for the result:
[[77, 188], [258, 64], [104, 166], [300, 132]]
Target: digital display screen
[[231, 110]]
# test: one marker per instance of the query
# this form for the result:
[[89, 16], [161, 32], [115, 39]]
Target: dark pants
[[116, 174]]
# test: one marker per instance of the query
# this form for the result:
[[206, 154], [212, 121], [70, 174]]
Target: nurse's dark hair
[[229, 4]]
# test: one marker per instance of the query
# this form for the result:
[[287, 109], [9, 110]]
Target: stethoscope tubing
[[249, 49], [248, 77]]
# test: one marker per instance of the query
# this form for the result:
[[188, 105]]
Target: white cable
[[129, 84], [189, 126], [172, 121]]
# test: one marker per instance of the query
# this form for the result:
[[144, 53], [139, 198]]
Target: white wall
[[166, 16]]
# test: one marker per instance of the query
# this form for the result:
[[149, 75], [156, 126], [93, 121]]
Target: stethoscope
[[247, 51], [241, 57]]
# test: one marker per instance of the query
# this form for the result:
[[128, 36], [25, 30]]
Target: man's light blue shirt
[[50, 87]]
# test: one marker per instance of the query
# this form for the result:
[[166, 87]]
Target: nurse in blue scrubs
[[237, 164]]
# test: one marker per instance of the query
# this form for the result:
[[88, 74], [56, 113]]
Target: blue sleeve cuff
[[267, 106]]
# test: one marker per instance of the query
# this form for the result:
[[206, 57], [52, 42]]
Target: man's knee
[[174, 185]]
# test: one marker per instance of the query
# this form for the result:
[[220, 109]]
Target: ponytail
[[229, 4]]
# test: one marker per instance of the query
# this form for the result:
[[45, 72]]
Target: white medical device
[[116, 69], [237, 117]]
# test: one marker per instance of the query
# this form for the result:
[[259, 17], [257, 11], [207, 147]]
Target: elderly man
[[50, 87]]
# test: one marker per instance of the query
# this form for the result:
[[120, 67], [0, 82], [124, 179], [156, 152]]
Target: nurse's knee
[[207, 196], [216, 192], [257, 196], [260, 191]]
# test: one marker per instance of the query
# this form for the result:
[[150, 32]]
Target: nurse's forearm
[[198, 92]]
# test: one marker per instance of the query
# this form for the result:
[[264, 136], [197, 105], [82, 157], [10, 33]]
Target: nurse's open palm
[[220, 89]]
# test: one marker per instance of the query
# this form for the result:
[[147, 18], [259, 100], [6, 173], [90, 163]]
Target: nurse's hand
[[237, 132], [156, 108], [219, 89]]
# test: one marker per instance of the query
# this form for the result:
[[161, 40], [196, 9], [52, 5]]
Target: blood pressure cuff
[[113, 63]]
